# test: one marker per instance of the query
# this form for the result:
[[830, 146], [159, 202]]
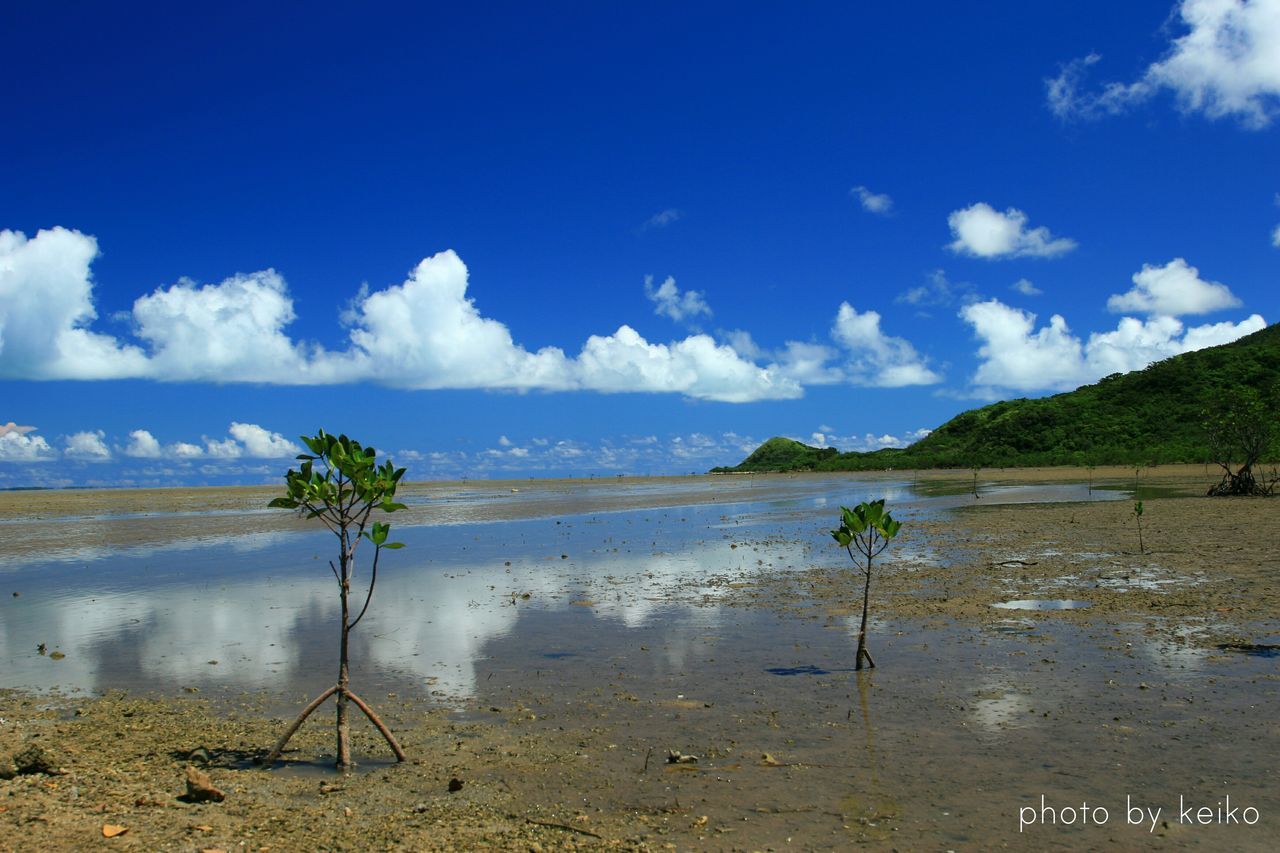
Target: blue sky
[[519, 240]]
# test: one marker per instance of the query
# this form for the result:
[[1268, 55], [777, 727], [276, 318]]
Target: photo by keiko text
[[1135, 812]]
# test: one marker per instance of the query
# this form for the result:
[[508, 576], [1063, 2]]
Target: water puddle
[[1042, 604], [218, 607], [809, 669], [1013, 626]]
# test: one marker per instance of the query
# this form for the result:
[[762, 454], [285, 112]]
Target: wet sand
[[1159, 694]]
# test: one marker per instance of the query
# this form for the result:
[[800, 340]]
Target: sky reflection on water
[[223, 614]]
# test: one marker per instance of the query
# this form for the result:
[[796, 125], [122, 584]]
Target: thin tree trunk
[[344, 724], [862, 630]]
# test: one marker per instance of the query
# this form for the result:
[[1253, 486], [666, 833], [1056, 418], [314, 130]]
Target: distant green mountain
[[784, 454], [1150, 416]]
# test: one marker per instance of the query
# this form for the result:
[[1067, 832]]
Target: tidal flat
[[645, 663]]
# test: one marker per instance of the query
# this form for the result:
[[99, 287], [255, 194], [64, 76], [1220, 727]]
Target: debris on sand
[[200, 788]]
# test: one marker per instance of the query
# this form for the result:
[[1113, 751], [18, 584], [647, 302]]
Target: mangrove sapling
[[870, 528], [1137, 515], [343, 496]]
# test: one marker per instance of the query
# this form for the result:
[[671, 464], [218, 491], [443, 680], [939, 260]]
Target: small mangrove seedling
[[868, 527], [1137, 515], [342, 492]]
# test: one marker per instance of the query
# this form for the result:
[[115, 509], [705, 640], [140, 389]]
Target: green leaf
[[283, 503], [394, 546]]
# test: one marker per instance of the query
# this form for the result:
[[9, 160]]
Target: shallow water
[[1042, 604], [220, 613], [622, 634]]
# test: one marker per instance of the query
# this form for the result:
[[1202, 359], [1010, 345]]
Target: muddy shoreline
[[1160, 692]]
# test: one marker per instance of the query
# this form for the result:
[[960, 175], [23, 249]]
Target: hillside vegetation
[[1150, 416]]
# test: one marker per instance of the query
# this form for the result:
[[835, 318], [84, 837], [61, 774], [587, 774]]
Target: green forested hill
[[1149, 416], [785, 454]]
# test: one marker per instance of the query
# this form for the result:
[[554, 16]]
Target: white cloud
[[1026, 288], [233, 331], [984, 232], [1226, 64], [227, 448], [743, 344], [1275, 237], [661, 219], [879, 203], [696, 366], [877, 359], [143, 445], [1015, 356], [19, 447], [263, 444], [1172, 290], [46, 302], [185, 450], [809, 363], [668, 301], [425, 333], [247, 440], [88, 446], [866, 357]]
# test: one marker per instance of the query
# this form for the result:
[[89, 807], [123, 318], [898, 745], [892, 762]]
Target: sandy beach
[[1124, 689]]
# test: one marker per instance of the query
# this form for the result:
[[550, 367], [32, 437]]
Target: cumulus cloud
[[864, 355], [668, 301], [18, 446], [143, 445], [1275, 237], [981, 231], [1026, 288], [232, 331], [1172, 290], [879, 203], [263, 444], [185, 450], [88, 446], [5, 429], [1227, 64], [809, 363], [877, 359], [246, 440], [426, 333], [1016, 356], [46, 301], [696, 366], [226, 448]]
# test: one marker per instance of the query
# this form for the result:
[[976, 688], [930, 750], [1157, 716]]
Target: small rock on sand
[[200, 788], [33, 759]]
